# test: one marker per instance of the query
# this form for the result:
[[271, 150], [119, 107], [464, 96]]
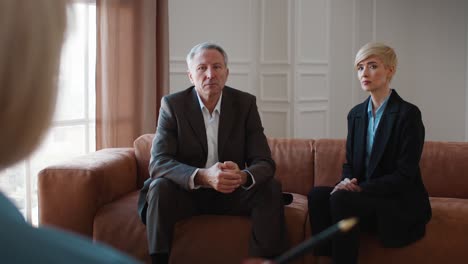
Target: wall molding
[[233, 61], [374, 20], [321, 110], [313, 62], [263, 92], [298, 35], [275, 110], [263, 60], [312, 99]]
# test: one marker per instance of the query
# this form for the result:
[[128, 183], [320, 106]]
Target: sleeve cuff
[[192, 181], [252, 182]]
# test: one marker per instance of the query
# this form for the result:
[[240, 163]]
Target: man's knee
[[268, 193], [161, 188], [273, 187]]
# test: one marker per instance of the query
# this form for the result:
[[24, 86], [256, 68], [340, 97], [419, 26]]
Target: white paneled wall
[[297, 57]]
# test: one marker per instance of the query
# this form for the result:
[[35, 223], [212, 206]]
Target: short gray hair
[[205, 46]]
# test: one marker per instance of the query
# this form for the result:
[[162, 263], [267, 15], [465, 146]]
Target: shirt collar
[[218, 104], [381, 107]]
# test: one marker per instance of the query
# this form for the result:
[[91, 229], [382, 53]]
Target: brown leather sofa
[[96, 196]]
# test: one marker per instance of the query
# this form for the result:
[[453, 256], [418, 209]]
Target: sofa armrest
[[70, 193]]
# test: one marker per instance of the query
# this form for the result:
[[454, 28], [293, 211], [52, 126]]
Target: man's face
[[208, 73]]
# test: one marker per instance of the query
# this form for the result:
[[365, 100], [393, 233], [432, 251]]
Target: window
[[73, 129]]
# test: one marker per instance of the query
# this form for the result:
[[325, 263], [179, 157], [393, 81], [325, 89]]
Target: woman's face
[[373, 74]]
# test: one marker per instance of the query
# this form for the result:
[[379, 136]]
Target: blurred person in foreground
[[381, 179], [31, 37]]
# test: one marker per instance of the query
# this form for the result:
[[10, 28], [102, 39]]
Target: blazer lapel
[[225, 120], [384, 131], [195, 118], [360, 139]]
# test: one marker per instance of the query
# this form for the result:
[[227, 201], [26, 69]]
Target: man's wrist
[[199, 179], [248, 179]]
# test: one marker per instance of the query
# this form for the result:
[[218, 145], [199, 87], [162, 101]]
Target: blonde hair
[[380, 50], [31, 36]]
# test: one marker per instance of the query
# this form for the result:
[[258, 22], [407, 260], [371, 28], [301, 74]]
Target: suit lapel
[[195, 118], [225, 120], [384, 131], [360, 138]]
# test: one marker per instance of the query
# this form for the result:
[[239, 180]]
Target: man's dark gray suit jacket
[[180, 144]]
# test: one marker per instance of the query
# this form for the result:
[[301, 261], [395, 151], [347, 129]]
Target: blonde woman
[[31, 35], [381, 179]]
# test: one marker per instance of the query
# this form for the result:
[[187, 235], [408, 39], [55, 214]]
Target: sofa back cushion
[[330, 154], [293, 157], [294, 160], [444, 167]]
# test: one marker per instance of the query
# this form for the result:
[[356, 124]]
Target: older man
[[210, 156]]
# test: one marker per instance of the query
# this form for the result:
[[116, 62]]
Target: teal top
[[373, 125], [22, 243]]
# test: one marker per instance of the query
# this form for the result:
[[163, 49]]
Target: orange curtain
[[132, 69]]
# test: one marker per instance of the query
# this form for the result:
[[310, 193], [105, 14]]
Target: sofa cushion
[[330, 154], [445, 240], [444, 168], [118, 224], [225, 238], [294, 160]]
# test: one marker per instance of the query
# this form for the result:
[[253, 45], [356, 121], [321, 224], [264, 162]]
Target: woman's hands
[[347, 185]]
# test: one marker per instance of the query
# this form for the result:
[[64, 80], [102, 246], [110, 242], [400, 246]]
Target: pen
[[342, 226]]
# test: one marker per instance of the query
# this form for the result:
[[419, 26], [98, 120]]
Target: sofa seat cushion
[[118, 224], [224, 239], [446, 232]]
